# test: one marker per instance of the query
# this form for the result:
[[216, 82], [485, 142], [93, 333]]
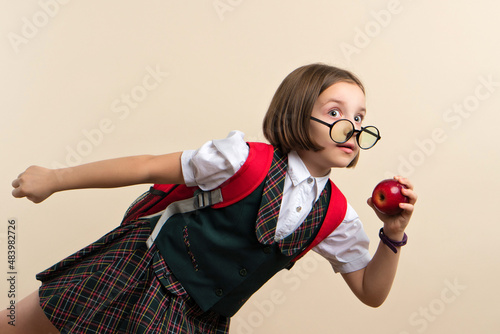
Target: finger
[[17, 193], [410, 194], [16, 183], [404, 181], [408, 207], [407, 211]]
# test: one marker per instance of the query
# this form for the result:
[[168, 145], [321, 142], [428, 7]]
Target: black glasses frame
[[351, 133]]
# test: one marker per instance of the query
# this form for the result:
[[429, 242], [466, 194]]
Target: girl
[[220, 221]]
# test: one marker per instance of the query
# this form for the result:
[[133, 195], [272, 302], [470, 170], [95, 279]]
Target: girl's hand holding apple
[[393, 201]]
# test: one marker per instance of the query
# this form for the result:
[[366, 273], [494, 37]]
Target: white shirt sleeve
[[215, 162], [347, 246]]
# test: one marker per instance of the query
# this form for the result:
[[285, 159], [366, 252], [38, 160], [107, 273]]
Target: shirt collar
[[298, 171]]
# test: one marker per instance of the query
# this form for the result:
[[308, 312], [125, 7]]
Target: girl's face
[[340, 100]]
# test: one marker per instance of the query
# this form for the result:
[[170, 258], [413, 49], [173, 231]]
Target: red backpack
[[243, 183]]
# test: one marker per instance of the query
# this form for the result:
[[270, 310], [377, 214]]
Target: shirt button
[[310, 180], [219, 292], [243, 272], [298, 209]]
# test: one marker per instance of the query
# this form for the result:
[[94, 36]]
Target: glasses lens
[[368, 137], [341, 131]]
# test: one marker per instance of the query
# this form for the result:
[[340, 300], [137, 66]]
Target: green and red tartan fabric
[[306, 231], [270, 208], [111, 287], [271, 200]]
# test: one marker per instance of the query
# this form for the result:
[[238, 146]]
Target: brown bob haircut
[[286, 124]]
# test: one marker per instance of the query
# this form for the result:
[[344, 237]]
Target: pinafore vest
[[225, 253]]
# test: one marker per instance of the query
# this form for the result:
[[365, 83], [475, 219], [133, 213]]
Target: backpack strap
[[334, 216], [200, 200], [240, 185], [184, 199], [249, 176]]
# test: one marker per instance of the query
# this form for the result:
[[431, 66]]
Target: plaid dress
[[111, 286]]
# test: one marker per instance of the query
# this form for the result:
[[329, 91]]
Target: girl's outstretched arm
[[38, 183], [373, 283]]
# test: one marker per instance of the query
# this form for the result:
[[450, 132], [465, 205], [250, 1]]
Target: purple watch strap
[[391, 243]]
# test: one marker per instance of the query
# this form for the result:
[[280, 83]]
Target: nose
[[357, 126]]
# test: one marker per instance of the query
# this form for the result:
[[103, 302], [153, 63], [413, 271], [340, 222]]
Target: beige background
[[433, 88]]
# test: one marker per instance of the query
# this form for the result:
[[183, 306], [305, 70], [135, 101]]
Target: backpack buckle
[[203, 199]]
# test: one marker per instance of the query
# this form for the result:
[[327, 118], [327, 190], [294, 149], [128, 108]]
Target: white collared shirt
[[346, 248], [300, 192]]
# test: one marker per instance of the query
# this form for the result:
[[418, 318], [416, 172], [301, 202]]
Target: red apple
[[387, 195]]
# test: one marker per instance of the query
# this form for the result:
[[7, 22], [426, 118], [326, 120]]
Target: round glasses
[[342, 130]]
